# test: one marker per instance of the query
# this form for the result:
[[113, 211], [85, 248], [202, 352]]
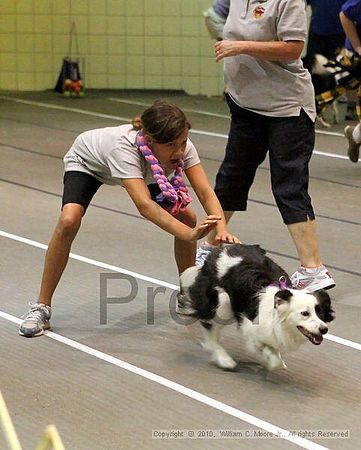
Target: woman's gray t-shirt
[[271, 88]]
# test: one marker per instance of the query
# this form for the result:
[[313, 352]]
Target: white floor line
[[128, 119], [90, 261], [63, 108], [330, 133], [343, 341], [330, 155], [206, 113], [139, 276], [197, 111], [195, 395]]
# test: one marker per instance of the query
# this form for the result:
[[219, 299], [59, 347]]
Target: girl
[[140, 157]]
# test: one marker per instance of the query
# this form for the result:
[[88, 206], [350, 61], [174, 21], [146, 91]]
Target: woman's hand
[[201, 230], [227, 48], [226, 238]]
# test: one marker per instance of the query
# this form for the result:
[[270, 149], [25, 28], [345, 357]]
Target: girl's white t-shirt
[[111, 155]]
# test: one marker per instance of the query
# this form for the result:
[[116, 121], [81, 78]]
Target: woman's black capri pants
[[290, 142]]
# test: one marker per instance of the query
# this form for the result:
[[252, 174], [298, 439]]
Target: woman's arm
[[139, 193], [351, 32], [199, 182], [268, 51]]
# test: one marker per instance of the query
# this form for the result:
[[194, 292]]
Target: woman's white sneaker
[[312, 279]]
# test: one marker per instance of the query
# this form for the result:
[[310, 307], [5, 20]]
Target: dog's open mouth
[[316, 339]]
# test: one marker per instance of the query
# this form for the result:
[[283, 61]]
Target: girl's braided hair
[[164, 122]]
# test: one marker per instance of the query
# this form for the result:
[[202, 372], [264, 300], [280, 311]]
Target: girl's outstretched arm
[[148, 208]]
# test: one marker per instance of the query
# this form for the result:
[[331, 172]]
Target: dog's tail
[[187, 278]]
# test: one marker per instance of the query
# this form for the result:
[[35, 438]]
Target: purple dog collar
[[282, 284]]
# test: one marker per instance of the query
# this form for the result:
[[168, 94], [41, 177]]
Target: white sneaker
[[202, 253], [36, 320], [353, 151], [312, 279], [184, 305]]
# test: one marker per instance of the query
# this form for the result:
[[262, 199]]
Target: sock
[[356, 134], [311, 269]]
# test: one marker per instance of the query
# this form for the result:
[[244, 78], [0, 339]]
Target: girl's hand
[[201, 230], [226, 238]]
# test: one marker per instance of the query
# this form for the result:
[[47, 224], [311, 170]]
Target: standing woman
[[271, 100], [140, 157]]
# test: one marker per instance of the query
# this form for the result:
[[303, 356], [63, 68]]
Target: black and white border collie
[[323, 80], [240, 283]]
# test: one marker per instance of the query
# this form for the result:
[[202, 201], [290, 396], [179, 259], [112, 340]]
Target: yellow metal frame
[[50, 438], [327, 97], [8, 427]]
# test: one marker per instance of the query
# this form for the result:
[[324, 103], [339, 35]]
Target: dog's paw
[[321, 122], [276, 364], [224, 361], [272, 359], [207, 346]]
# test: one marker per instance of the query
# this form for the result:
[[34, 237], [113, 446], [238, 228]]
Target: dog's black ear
[[323, 308], [282, 296], [259, 249]]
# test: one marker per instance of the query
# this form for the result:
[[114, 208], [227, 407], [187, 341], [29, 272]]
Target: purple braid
[[174, 196]]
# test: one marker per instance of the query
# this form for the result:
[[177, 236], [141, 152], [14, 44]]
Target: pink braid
[[174, 196]]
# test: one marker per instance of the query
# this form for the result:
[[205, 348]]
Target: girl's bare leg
[[58, 251]]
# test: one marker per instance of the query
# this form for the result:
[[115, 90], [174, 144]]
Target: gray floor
[[99, 402]]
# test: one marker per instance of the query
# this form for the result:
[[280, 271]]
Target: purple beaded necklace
[[174, 195]]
